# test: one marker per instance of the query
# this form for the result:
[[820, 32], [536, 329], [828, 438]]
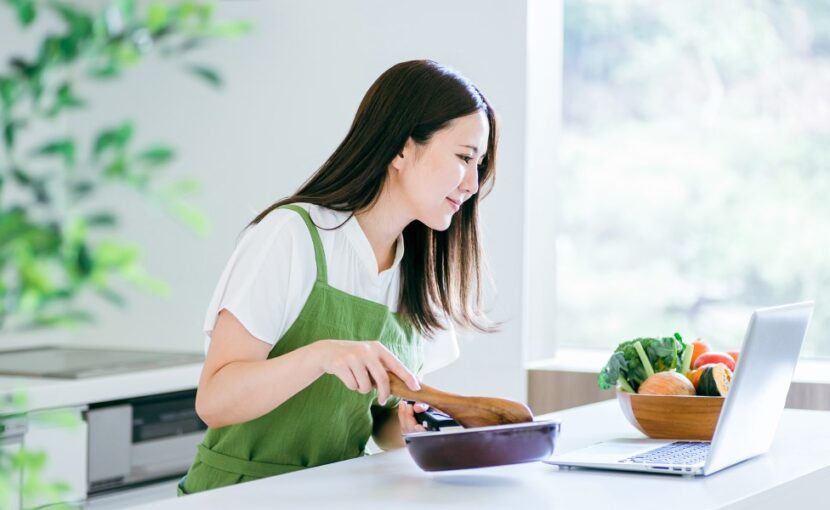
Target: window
[[694, 177]]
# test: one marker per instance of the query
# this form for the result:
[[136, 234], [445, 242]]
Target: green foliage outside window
[[695, 168]]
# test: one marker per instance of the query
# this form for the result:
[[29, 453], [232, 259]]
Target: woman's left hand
[[406, 416]]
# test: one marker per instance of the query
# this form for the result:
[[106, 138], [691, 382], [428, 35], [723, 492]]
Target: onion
[[667, 383]]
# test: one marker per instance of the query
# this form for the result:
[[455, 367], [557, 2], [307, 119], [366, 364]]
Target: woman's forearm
[[244, 390]]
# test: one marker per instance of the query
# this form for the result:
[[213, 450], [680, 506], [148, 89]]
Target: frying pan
[[482, 447], [496, 431]]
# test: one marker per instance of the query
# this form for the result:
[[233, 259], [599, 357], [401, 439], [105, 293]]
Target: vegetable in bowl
[[636, 360]]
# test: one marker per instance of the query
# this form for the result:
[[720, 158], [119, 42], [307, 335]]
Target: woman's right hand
[[362, 365]]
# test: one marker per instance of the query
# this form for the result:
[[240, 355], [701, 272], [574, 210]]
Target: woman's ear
[[404, 155]]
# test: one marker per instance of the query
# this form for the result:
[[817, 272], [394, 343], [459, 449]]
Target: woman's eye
[[466, 159]]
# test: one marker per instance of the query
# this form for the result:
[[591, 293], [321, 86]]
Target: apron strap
[[251, 468], [319, 254]]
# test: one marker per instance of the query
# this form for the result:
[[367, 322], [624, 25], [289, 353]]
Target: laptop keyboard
[[679, 452]]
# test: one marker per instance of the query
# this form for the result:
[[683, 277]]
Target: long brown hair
[[440, 270]]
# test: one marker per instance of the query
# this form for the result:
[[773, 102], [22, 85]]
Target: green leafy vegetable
[[633, 361]]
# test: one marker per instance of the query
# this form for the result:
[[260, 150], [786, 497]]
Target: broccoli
[[627, 367]]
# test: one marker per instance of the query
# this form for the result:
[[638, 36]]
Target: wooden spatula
[[467, 411]]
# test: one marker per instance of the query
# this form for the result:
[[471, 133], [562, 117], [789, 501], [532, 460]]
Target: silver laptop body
[[750, 414]]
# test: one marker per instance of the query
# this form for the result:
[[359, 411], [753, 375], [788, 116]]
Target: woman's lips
[[455, 205]]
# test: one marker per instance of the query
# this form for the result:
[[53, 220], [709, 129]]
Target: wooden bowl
[[672, 416]]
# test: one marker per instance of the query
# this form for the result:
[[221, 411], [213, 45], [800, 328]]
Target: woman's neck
[[382, 224]]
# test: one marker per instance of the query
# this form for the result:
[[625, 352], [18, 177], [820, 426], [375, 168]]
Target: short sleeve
[[267, 278], [441, 349]]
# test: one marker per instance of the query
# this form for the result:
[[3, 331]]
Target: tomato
[[734, 355], [699, 347], [715, 357]]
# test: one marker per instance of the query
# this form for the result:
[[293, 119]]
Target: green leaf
[[21, 177], [136, 275], [78, 22], [58, 417], [60, 49], [612, 371], [37, 186], [109, 70], [66, 319], [127, 7], [230, 28], [35, 276], [41, 192], [81, 189], [644, 359], [15, 226], [112, 296], [117, 168], [25, 9], [12, 224], [43, 239], [30, 459], [156, 155], [113, 255], [29, 70], [8, 91], [191, 216], [9, 134], [205, 73], [83, 260], [102, 219], [126, 54], [184, 187], [64, 147], [76, 230], [191, 9], [192, 44], [157, 16], [115, 138], [65, 99]]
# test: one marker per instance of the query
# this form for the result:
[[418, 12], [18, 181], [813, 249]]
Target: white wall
[[292, 89]]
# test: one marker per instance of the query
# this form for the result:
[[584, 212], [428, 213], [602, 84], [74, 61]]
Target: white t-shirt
[[271, 272]]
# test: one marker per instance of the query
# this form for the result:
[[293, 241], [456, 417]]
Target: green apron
[[323, 423]]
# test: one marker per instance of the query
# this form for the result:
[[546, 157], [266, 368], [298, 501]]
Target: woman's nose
[[470, 182]]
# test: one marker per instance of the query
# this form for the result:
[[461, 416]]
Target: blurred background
[[694, 157]]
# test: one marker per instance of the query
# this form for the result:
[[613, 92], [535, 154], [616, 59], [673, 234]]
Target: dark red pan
[[482, 446], [496, 431]]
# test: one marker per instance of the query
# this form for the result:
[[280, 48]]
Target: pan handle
[[468, 411]]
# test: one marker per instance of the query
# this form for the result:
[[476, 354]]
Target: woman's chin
[[440, 223]]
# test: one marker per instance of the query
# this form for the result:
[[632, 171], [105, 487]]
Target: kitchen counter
[[46, 393], [795, 473]]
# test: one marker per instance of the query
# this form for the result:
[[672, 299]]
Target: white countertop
[[45, 393], [795, 471]]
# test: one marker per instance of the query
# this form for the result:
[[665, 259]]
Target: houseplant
[[54, 241], [52, 244]]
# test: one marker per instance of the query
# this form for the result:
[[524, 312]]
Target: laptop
[[749, 416]]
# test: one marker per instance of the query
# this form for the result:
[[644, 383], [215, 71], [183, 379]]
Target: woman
[[320, 300]]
